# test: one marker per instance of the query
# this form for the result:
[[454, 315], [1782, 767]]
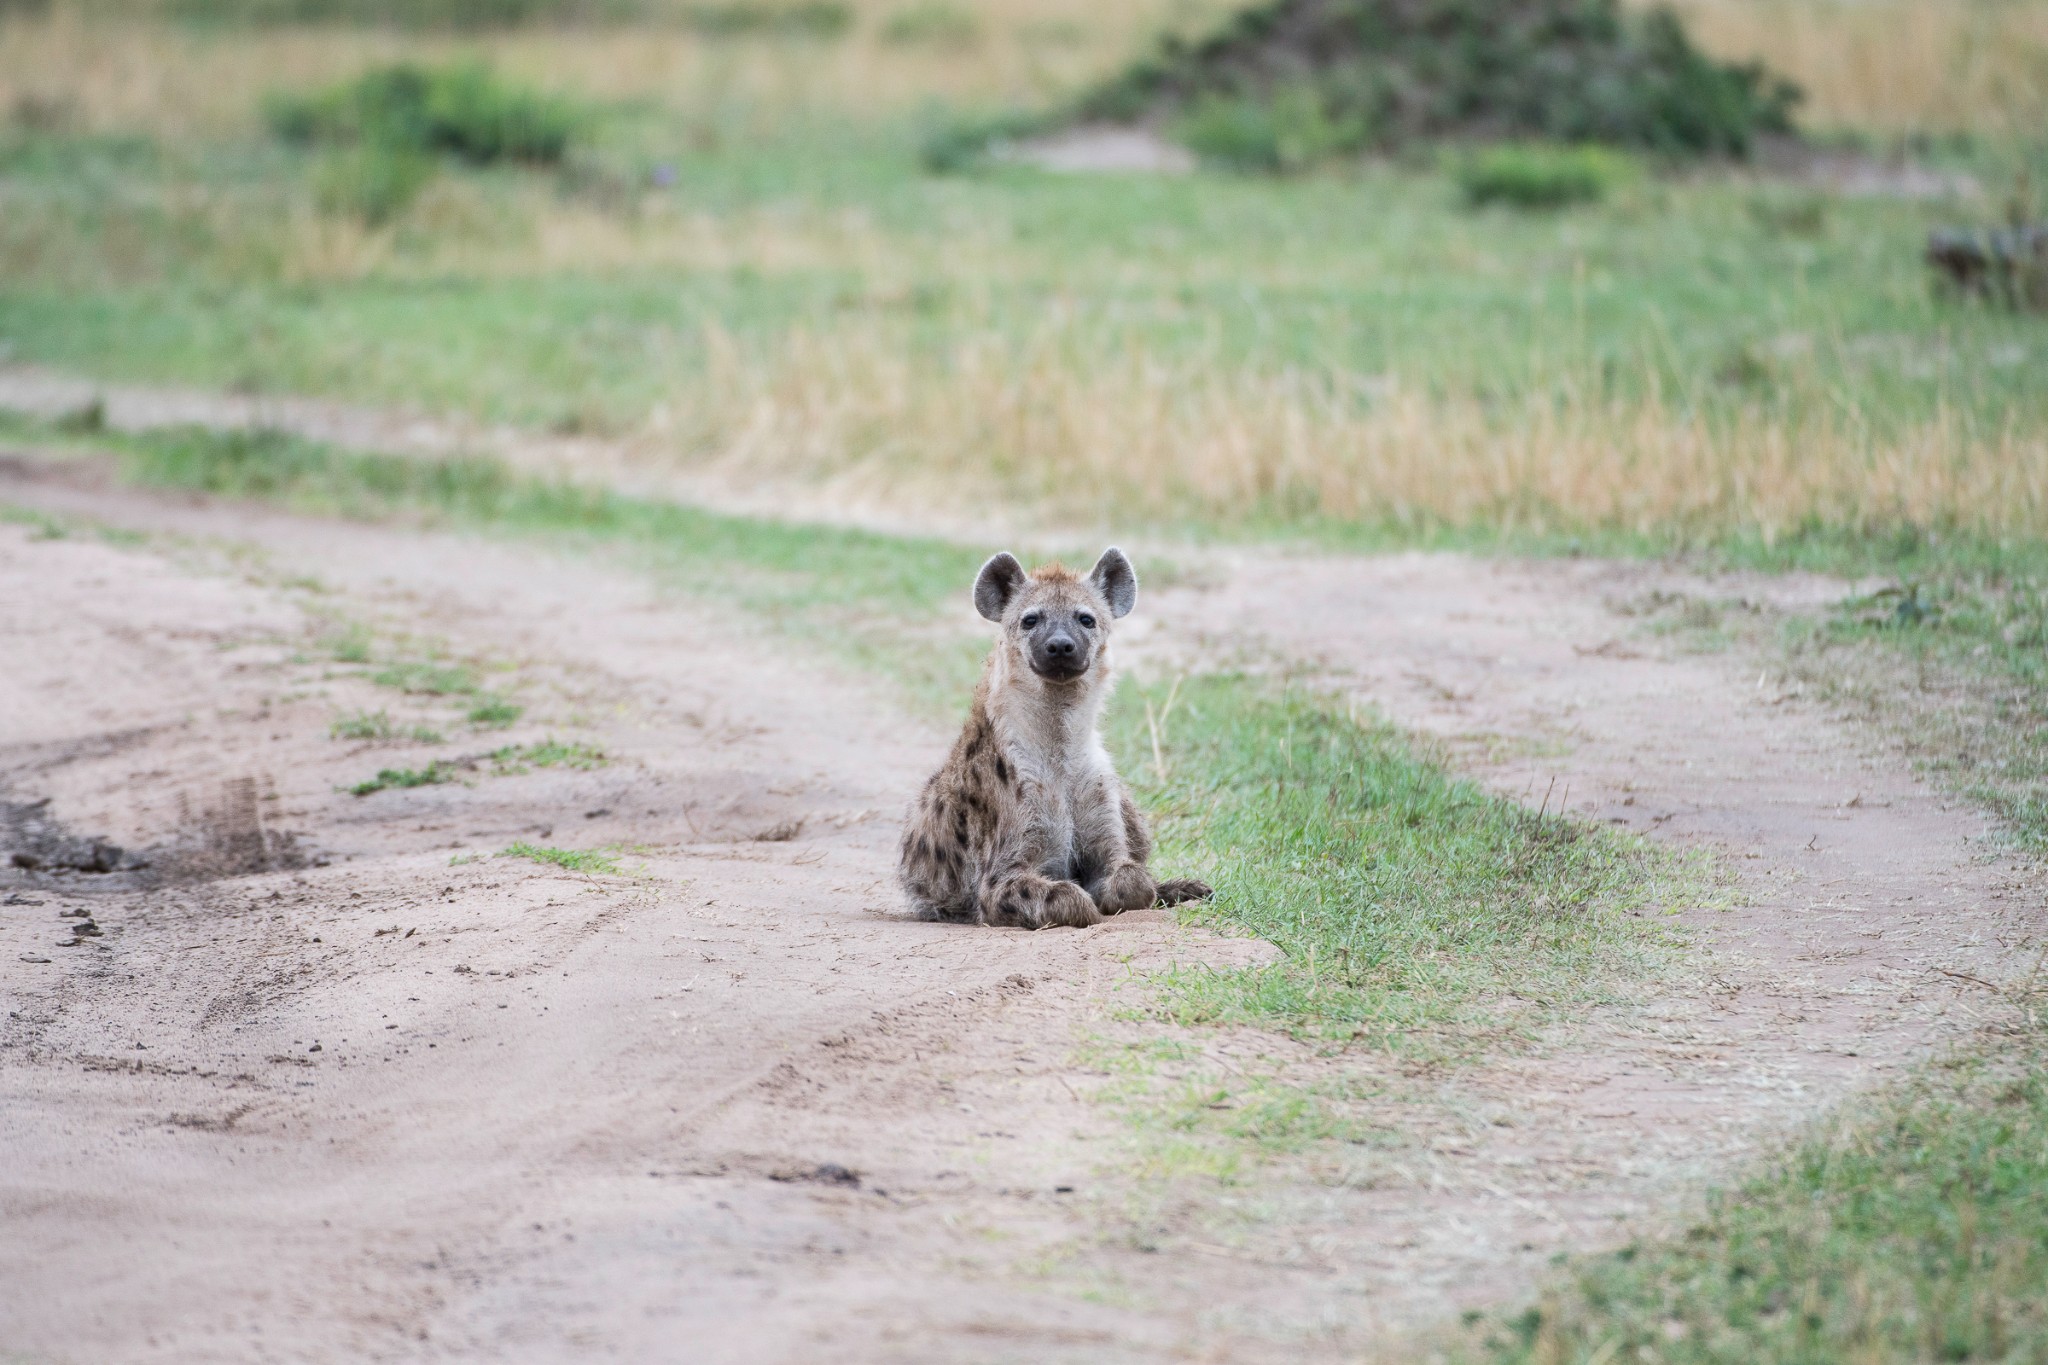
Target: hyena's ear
[[1116, 580], [998, 581]]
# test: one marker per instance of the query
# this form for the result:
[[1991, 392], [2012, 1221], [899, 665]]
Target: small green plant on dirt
[[1415, 911], [1538, 176], [569, 859], [493, 712], [425, 678], [377, 727], [549, 753], [434, 774]]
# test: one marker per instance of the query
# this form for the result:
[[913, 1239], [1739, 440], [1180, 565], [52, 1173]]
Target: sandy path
[[579, 1157], [1858, 887], [546, 1114]]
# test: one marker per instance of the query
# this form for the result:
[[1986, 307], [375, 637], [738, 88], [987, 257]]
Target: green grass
[[134, 261], [378, 727], [1415, 911], [433, 774], [1912, 1226], [549, 753], [569, 859]]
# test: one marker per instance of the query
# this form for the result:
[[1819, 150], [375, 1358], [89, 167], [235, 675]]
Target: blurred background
[[1366, 268]]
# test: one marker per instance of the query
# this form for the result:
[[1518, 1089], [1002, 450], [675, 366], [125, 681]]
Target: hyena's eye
[[1086, 619], [1030, 621]]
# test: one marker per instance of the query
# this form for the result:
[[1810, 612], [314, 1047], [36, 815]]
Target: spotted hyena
[[1027, 823]]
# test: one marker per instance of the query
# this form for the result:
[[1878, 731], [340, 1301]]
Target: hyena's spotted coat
[[1027, 823]]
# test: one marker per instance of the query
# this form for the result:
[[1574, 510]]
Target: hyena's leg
[[937, 874], [1029, 901], [1139, 840], [1112, 844]]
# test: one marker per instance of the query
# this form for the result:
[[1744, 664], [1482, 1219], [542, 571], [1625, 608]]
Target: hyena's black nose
[[1060, 646]]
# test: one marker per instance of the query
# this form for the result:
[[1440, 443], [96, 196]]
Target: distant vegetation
[[810, 17], [463, 110], [1532, 175], [1348, 74]]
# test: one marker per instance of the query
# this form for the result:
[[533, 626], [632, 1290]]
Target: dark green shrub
[[462, 110], [932, 23], [744, 18], [411, 14], [1558, 70], [1536, 176]]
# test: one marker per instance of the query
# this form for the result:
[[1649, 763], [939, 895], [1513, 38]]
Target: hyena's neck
[[1055, 724]]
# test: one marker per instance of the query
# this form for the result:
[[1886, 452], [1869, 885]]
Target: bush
[[1557, 70], [374, 183], [812, 19], [933, 23], [411, 14], [1535, 176], [1288, 132], [463, 110]]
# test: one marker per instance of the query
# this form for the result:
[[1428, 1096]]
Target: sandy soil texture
[[333, 1081]]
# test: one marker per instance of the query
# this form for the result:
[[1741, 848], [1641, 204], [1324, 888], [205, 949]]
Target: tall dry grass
[[1978, 66], [109, 73], [860, 413]]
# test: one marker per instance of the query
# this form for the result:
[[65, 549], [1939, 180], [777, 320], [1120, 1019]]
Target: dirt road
[[350, 1086]]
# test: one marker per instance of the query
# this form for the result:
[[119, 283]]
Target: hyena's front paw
[[1130, 887], [1183, 889], [1067, 903]]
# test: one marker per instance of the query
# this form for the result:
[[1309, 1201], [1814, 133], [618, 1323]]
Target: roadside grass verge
[[872, 597], [1911, 1225], [1416, 912]]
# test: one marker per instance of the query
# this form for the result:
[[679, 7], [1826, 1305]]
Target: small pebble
[[33, 957], [18, 899]]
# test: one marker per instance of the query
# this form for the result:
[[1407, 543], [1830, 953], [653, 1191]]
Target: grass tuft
[[549, 753], [433, 774], [378, 727], [569, 859]]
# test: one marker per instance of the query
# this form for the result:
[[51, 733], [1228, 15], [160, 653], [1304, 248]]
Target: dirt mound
[[1362, 73]]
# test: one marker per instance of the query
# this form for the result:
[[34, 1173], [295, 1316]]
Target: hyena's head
[[1054, 621]]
